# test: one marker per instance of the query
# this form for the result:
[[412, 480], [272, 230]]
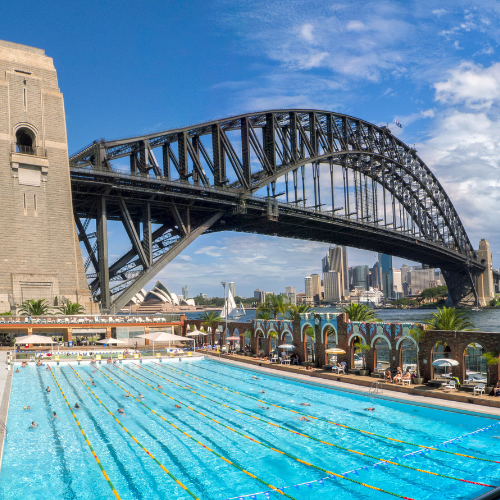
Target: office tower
[[360, 277], [405, 271], [397, 285], [309, 290], [316, 287], [420, 279], [232, 288], [185, 292], [257, 294], [291, 293], [332, 285], [336, 260], [386, 265], [376, 276], [290, 289]]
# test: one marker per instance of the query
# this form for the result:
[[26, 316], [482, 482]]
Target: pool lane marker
[[342, 426], [274, 488], [117, 496], [135, 440], [381, 461], [330, 473]]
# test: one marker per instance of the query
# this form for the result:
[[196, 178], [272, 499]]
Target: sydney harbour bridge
[[295, 173]]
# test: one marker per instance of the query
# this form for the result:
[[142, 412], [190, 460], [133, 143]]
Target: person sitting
[[497, 389], [407, 375], [398, 376], [309, 368], [388, 375]]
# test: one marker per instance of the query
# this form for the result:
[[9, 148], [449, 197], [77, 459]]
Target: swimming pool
[[228, 440]]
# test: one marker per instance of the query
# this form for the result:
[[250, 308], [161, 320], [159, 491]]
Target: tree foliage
[[361, 312], [71, 308], [293, 310], [436, 293], [362, 349], [33, 307], [209, 317], [276, 305], [449, 319]]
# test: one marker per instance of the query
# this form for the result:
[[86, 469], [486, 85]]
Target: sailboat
[[230, 309]]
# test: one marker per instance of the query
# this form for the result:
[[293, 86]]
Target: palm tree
[[311, 333], [362, 349], [361, 312], [263, 314], [33, 307], [71, 308], [275, 304], [292, 310], [450, 319]]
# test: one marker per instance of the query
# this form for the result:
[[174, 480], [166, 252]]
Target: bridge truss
[[305, 174]]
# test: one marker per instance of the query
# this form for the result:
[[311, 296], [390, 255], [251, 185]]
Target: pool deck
[[454, 401], [5, 385]]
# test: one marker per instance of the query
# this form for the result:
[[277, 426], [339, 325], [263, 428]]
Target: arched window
[[475, 363], [356, 359], [441, 350], [25, 141], [408, 355], [382, 354]]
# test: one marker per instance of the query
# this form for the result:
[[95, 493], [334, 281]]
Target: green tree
[[33, 307], [8, 313], [361, 312], [492, 302], [263, 314], [362, 349], [210, 317], [311, 333], [275, 304], [450, 319], [438, 292], [71, 308], [292, 310]]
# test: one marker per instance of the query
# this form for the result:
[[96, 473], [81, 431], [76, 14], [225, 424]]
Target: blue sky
[[127, 68]]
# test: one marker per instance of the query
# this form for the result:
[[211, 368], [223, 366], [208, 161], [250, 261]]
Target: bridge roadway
[[250, 214]]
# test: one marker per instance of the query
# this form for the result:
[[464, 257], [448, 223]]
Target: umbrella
[[335, 350], [111, 341], [445, 362], [233, 338], [195, 333], [286, 346], [162, 337], [34, 339]]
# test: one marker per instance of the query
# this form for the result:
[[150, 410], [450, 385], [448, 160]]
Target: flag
[[398, 124]]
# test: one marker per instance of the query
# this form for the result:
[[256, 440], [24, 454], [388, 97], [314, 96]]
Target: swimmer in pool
[[92, 383], [263, 391], [304, 419], [121, 411], [54, 415], [77, 406], [369, 409], [255, 378], [264, 407], [177, 406], [48, 389], [127, 395], [33, 425], [305, 404], [17, 370], [160, 386], [141, 396]]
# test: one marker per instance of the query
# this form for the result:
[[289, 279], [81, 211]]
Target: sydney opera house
[[157, 300]]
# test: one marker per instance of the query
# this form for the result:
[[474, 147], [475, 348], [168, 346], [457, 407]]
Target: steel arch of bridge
[[215, 169]]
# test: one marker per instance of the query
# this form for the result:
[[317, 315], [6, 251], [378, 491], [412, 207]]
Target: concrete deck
[[420, 395]]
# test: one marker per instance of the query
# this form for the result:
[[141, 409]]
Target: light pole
[[223, 283]]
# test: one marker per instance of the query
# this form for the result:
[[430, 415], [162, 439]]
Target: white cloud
[[439, 12], [212, 251], [306, 31], [472, 85], [355, 26]]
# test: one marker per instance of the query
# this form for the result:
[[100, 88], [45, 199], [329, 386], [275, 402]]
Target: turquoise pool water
[[53, 461]]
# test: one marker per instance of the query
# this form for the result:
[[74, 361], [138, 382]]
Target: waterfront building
[[371, 297], [420, 279], [333, 286], [376, 276], [360, 277], [405, 279], [316, 287], [259, 294], [309, 297], [386, 265]]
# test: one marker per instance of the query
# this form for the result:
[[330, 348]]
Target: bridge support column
[[102, 253], [485, 287]]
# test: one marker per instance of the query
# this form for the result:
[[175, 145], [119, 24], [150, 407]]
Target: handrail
[[3, 426], [376, 387]]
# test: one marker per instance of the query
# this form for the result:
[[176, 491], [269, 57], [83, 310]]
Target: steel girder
[[385, 183]]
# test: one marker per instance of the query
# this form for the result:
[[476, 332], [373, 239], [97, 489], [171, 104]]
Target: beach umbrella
[[233, 338], [195, 333], [445, 362], [335, 350], [163, 337], [286, 346]]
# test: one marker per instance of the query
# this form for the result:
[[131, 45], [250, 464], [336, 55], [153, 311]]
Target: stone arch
[[26, 138], [408, 349], [381, 353], [440, 349], [308, 343], [353, 339], [323, 332], [329, 341], [474, 364], [273, 340]]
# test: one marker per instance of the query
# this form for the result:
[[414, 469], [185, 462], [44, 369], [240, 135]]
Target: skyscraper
[[386, 264], [291, 293], [332, 285], [232, 288], [336, 260], [316, 287], [309, 290], [185, 292], [376, 276], [397, 285], [360, 277]]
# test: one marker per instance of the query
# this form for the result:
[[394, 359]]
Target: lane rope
[[380, 461], [274, 488], [135, 440], [346, 427], [330, 473], [113, 489]]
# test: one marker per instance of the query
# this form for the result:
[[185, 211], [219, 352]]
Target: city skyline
[[370, 60]]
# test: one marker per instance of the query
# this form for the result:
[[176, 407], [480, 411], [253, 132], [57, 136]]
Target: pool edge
[[5, 401]]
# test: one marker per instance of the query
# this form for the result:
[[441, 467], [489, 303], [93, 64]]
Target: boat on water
[[476, 309], [230, 310]]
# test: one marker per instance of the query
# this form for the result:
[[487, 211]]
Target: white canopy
[[286, 346], [111, 341], [34, 339], [163, 337], [445, 362], [195, 333], [335, 350]]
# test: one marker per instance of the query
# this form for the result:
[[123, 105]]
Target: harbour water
[[487, 320]]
